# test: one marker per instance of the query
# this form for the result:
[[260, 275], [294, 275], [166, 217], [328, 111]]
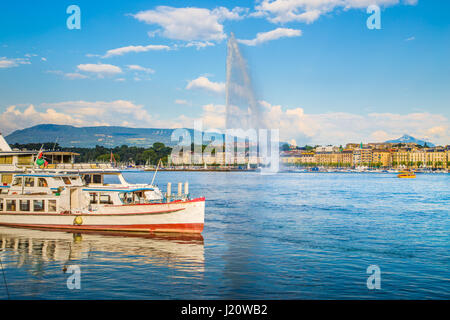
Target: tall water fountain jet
[[242, 108]]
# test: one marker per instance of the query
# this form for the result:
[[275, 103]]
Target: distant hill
[[408, 139], [86, 137]]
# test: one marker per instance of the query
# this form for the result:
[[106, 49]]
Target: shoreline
[[283, 170]]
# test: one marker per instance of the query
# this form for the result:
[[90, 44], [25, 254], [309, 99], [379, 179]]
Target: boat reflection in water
[[33, 248]]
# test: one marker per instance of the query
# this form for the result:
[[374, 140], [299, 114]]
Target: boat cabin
[[39, 193]]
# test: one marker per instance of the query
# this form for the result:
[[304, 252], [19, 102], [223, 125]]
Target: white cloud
[[204, 83], [190, 24], [12, 62], [75, 75], [411, 2], [78, 113], [308, 11], [100, 69], [340, 127], [199, 44], [325, 128], [262, 37], [139, 78], [182, 102], [69, 75], [123, 50], [136, 67], [223, 13], [214, 116], [410, 38], [13, 118]]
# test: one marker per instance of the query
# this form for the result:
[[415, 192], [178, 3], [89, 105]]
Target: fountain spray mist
[[242, 108]]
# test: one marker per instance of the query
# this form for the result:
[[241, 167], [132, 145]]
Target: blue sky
[[320, 74]]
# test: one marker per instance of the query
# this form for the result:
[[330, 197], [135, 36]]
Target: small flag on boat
[[40, 160]]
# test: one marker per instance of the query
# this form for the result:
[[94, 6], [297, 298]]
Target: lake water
[[285, 236]]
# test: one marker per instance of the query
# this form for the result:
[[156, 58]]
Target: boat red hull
[[175, 227]]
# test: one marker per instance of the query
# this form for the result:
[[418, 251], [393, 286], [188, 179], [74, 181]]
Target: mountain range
[[109, 136], [86, 137], [409, 139]]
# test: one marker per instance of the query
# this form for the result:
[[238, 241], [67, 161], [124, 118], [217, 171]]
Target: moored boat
[[67, 202]]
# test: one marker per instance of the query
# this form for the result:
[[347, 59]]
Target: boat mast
[[154, 175]]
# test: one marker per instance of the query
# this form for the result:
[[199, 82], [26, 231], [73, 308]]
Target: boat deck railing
[[80, 166]]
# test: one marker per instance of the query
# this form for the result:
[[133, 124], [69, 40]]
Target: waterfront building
[[327, 149], [362, 157], [347, 157], [418, 158], [298, 157], [436, 158], [380, 145], [447, 153], [400, 157], [381, 157], [352, 146]]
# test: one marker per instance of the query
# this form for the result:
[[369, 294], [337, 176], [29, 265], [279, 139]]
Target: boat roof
[[47, 175], [122, 190]]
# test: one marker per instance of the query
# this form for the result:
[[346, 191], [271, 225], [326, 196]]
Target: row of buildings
[[381, 155]]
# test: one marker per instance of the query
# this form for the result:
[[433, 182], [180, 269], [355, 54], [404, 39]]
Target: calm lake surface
[[285, 236]]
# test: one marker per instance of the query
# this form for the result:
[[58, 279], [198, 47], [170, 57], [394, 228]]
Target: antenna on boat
[[154, 175], [56, 141], [113, 159]]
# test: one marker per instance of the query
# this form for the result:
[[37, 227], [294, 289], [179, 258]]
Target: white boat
[[69, 201]]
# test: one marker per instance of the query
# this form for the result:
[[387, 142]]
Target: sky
[[321, 76]]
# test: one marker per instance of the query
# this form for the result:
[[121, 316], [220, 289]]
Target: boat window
[[93, 197], [38, 205], [6, 160], [126, 198], [66, 180], [10, 205], [139, 197], [87, 178], [51, 205], [96, 178], [42, 183], [25, 160], [17, 182], [1, 204], [29, 182], [105, 199], [6, 179], [24, 205], [111, 179]]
